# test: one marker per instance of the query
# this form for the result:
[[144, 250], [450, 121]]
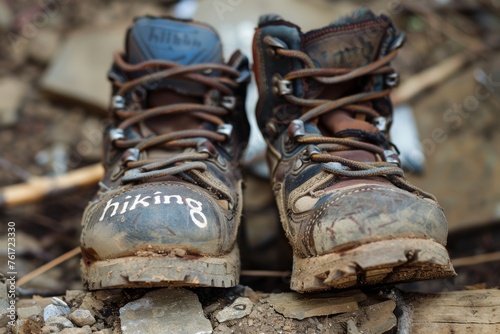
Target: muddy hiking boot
[[169, 206], [324, 109]]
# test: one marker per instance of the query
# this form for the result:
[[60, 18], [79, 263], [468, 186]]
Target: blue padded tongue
[[182, 42]]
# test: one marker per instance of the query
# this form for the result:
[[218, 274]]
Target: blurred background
[[54, 57]]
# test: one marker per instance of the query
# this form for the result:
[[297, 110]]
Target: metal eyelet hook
[[381, 123], [392, 79], [274, 43], [225, 129], [296, 129], [130, 155], [392, 157], [116, 134], [229, 102], [398, 41], [281, 86], [118, 102]]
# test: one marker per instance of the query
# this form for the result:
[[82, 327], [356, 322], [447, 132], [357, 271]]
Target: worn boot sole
[[387, 261], [158, 271]]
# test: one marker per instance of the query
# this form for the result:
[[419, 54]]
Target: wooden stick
[[37, 188], [46, 267], [428, 78], [476, 259], [265, 273]]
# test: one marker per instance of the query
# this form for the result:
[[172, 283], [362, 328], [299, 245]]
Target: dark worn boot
[[169, 206], [324, 109]]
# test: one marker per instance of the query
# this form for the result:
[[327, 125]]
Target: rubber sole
[[161, 271], [387, 261]]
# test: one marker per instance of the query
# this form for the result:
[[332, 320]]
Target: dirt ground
[[46, 134]]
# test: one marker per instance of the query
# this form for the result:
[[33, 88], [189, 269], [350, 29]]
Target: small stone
[[75, 296], [55, 310], [50, 329], [91, 304], [26, 312], [12, 91], [111, 295], [297, 306], [165, 311], [82, 317], [59, 322], [87, 328], [104, 331], [43, 47], [76, 331], [240, 308]]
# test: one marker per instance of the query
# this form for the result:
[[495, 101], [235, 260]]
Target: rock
[[12, 91], [3, 290], [377, 318], [85, 330], [91, 304], [4, 312], [44, 46], [74, 297], [240, 308], [58, 308], [76, 72], [50, 329], [105, 331], [165, 311], [59, 322], [27, 312], [82, 317], [297, 306]]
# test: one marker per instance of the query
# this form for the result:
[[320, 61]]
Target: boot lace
[[197, 144], [356, 104]]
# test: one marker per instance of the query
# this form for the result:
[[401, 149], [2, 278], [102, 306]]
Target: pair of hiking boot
[[170, 204]]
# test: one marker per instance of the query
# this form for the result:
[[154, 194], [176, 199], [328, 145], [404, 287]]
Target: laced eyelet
[[296, 129], [130, 155], [206, 146]]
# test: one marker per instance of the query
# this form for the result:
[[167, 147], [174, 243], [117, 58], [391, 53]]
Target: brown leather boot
[[169, 206], [324, 109]]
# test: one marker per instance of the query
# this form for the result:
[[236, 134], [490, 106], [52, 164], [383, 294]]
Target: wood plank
[[475, 311]]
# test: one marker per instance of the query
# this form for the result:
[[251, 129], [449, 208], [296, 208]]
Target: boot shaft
[[348, 44]]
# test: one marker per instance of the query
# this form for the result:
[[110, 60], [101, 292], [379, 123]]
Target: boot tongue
[[350, 42], [182, 42]]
